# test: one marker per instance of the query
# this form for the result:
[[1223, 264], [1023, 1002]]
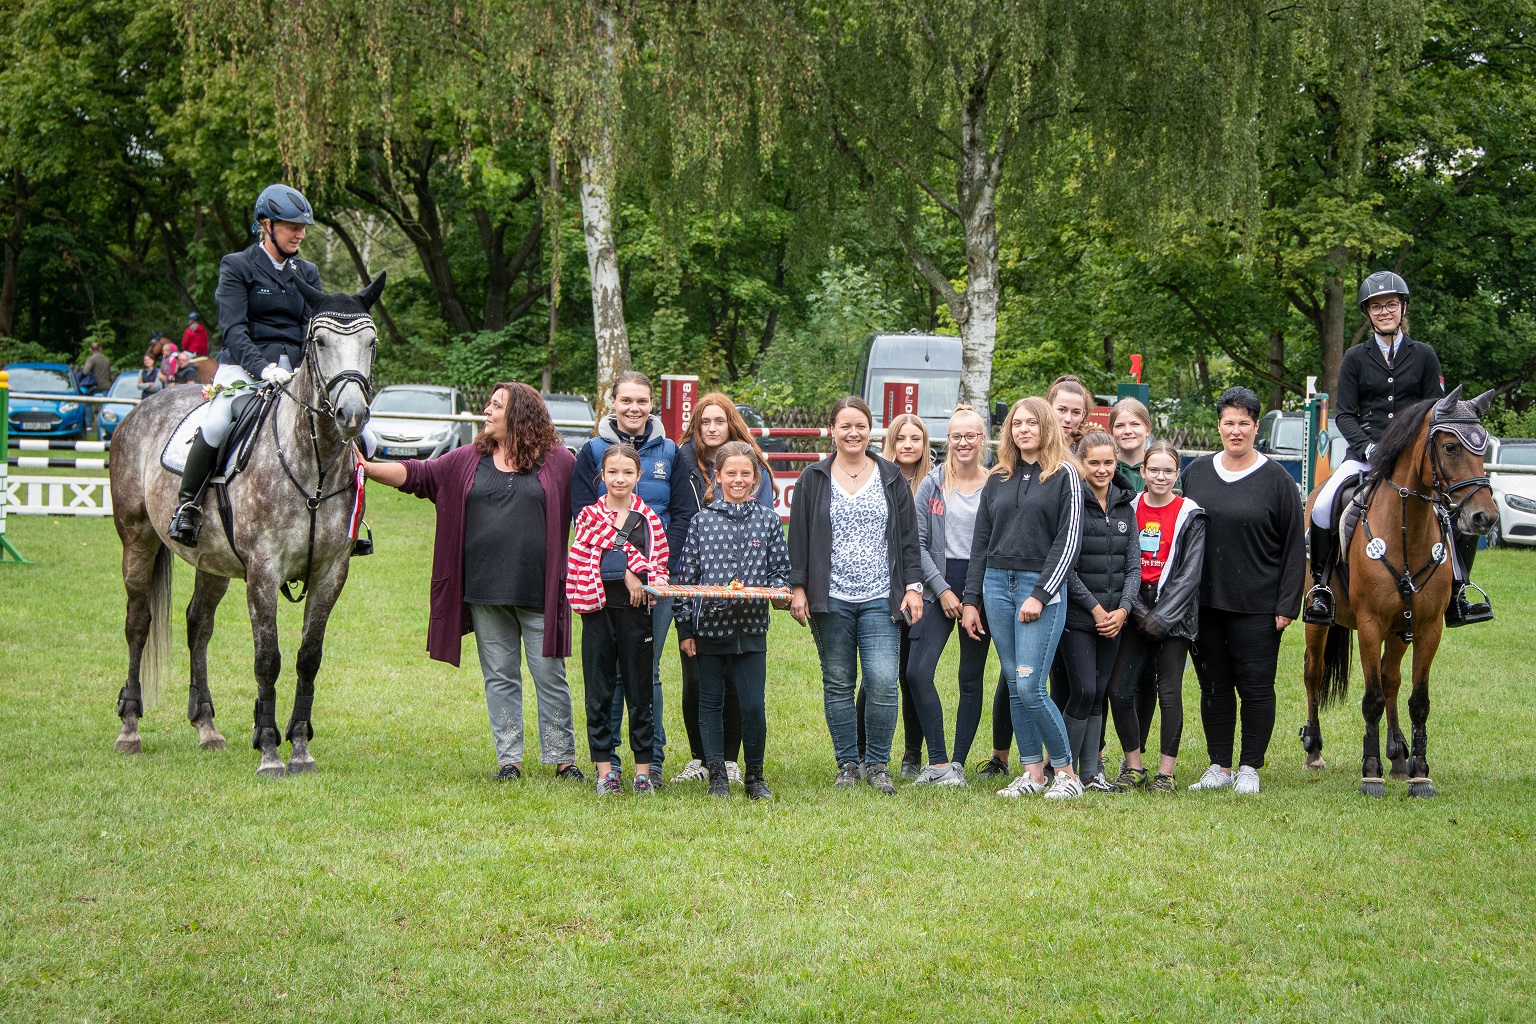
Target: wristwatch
[[915, 587]]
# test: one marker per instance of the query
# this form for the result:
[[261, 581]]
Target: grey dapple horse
[[292, 507]]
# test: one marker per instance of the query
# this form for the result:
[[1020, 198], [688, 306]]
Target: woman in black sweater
[[1028, 530], [1103, 586], [1251, 586]]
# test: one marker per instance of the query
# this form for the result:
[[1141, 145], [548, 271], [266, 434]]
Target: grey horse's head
[[343, 343]]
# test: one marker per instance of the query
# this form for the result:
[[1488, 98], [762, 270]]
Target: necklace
[[853, 477]]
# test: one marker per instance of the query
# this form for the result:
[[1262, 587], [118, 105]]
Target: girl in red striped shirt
[[619, 546]]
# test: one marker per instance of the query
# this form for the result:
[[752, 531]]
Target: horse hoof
[[214, 742], [1421, 788], [297, 766], [1315, 763], [271, 769], [1374, 788], [126, 745], [1399, 773]]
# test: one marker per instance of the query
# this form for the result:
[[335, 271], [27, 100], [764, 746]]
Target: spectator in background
[[195, 338], [149, 377], [186, 373], [168, 362], [98, 368]]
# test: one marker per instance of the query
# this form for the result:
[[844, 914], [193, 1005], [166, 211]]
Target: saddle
[[249, 412], [1346, 519]]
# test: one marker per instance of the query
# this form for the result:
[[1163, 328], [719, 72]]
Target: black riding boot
[[188, 520], [1319, 607], [1463, 610], [719, 782]]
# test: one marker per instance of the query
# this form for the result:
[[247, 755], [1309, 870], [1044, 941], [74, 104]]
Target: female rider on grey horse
[[263, 318]]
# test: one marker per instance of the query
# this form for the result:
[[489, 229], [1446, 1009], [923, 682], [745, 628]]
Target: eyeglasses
[[1389, 306], [1159, 472], [964, 438]]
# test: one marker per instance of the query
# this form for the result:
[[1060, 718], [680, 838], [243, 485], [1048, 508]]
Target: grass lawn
[[402, 883]]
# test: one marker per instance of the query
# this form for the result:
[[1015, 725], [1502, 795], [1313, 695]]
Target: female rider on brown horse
[[1375, 382]]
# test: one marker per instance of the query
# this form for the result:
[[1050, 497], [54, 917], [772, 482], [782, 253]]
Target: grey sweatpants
[[503, 634]]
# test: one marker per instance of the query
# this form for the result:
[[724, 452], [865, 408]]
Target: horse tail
[[156, 658], [1338, 651]]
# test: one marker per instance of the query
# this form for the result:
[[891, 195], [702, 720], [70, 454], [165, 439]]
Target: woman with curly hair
[[499, 567]]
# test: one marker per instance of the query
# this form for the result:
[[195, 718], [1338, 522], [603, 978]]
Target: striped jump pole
[[27, 444], [43, 462], [6, 547]]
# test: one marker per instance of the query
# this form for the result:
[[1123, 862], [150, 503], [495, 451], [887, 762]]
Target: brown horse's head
[[1437, 448]]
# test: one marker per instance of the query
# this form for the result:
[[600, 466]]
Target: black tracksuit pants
[[616, 657], [747, 674], [1236, 657]]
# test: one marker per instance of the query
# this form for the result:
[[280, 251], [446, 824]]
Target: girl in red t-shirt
[[1171, 537]]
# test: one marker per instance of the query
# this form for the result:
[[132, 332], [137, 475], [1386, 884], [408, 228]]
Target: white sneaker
[[693, 771], [1022, 786], [732, 773], [931, 773], [956, 776], [1066, 787], [1247, 780], [1215, 778]]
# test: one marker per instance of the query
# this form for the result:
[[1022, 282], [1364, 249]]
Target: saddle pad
[[174, 456]]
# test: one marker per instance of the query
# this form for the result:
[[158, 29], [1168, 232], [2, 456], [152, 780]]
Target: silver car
[[576, 413], [413, 438]]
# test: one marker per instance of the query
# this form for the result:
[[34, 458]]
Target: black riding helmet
[[281, 203], [1383, 282]]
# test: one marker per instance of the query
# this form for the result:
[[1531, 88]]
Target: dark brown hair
[[735, 429], [530, 434], [851, 402], [623, 450], [630, 377]]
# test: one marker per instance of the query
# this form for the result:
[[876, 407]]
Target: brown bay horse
[[291, 521], [1426, 477]]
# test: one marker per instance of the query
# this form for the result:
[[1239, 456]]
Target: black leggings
[[928, 645], [1135, 692], [911, 727], [1087, 661], [747, 674], [691, 714], [616, 658], [1236, 656]]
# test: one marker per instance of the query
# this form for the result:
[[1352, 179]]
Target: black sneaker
[[1162, 784], [992, 767], [571, 773], [656, 782], [509, 771], [879, 776], [757, 789]]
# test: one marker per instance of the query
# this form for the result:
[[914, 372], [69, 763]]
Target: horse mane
[[1399, 437]]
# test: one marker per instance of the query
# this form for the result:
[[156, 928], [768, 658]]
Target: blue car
[[125, 386], [61, 418]]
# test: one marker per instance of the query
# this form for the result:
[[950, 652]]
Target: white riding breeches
[[221, 410], [1322, 507]]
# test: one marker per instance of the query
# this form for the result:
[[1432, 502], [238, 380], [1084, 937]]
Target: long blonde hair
[[1053, 452], [949, 453], [925, 464]]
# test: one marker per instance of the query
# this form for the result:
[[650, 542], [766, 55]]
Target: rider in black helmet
[[262, 317], [1376, 381]]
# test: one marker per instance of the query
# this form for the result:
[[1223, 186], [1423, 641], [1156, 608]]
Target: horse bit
[[1471, 433]]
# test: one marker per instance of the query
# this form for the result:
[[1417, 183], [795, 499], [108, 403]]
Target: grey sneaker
[[1129, 778], [879, 776], [956, 776], [1215, 778], [1162, 783], [932, 774], [610, 785], [848, 775], [1247, 781]]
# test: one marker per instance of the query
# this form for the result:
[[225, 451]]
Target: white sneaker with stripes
[[693, 771], [1022, 786]]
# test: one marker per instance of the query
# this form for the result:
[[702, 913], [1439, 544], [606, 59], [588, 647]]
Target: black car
[[769, 445]]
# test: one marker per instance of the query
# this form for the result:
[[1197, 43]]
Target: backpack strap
[[633, 523]]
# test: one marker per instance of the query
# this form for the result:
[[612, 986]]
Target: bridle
[[1466, 428], [336, 323]]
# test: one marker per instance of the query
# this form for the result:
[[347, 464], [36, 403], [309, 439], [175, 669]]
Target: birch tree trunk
[[598, 173]]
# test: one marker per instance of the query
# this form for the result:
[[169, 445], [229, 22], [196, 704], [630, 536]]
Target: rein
[[342, 323], [1441, 499]]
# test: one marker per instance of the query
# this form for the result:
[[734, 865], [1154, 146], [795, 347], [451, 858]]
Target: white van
[[932, 360]]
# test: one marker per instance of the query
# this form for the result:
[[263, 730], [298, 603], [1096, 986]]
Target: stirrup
[[1319, 590], [1462, 612], [363, 545], [186, 524]]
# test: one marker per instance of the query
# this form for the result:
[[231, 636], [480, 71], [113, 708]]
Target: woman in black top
[[1103, 587], [1255, 566]]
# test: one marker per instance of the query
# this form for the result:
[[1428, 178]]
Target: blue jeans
[[661, 622], [864, 631], [1026, 650]]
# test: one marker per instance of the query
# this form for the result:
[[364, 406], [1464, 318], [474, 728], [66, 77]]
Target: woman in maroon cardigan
[[498, 567]]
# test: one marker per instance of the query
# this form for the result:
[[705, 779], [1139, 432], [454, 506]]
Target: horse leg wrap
[[1311, 738], [266, 718], [301, 708], [200, 704], [129, 702]]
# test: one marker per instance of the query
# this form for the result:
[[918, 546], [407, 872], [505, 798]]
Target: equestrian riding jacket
[[261, 313], [1371, 392]]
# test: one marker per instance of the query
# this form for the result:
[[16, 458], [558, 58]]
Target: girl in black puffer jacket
[[731, 540], [1102, 588]]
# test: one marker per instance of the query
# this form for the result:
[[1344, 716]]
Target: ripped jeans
[[1026, 650]]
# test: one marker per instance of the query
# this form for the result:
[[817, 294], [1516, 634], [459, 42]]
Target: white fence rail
[[56, 495]]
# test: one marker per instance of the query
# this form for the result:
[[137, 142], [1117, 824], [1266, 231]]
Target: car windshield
[[1288, 434], [126, 386], [30, 378], [575, 412], [752, 419], [936, 396], [408, 400], [1517, 455]]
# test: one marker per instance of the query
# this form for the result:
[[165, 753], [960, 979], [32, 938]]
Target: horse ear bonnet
[[369, 295], [312, 296], [1453, 416]]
